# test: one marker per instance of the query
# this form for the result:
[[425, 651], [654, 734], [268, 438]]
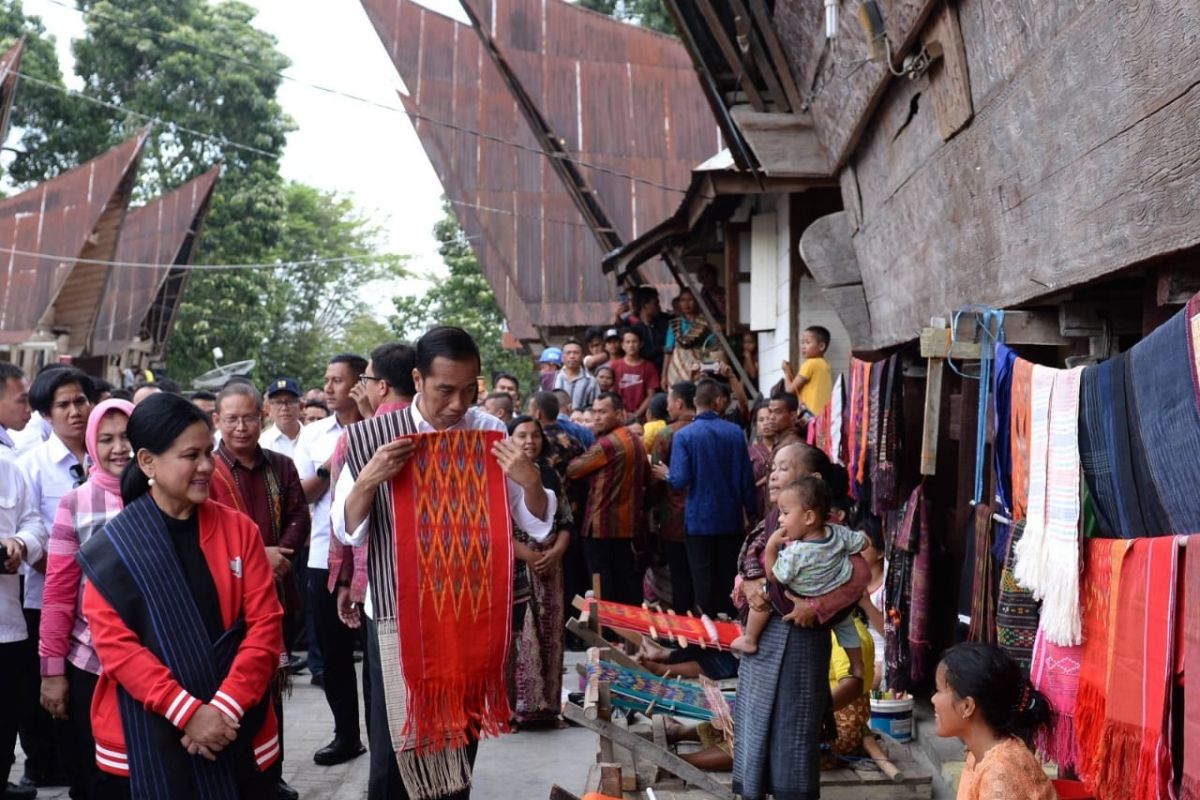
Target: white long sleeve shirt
[[20, 518], [474, 420], [47, 469]]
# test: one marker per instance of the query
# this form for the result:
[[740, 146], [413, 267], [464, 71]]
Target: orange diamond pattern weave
[[454, 558]]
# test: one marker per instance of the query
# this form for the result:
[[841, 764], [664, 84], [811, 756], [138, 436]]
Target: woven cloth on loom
[[638, 691], [1103, 559], [1168, 422], [1016, 609], [1136, 744], [1189, 788], [1048, 555], [1055, 673], [671, 626]]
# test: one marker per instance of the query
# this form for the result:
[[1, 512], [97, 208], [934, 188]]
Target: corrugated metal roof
[[539, 256], [10, 62], [75, 215], [136, 300], [620, 97]]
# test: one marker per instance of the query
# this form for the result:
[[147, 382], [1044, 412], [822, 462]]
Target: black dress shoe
[[285, 792], [297, 664], [339, 751], [19, 791]]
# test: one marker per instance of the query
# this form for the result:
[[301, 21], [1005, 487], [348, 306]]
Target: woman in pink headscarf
[[69, 664]]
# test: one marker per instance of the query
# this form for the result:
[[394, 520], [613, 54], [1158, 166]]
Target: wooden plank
[[594, 639], [784, 144], [1020, 327], [762, 19], [949, 83], [624, 757], [1001, 216], [828, 251], [850, 303], [559, 793], [730, 53], [647, 750], [762, 58], [1176, 286], [933, 415], [610, 780]]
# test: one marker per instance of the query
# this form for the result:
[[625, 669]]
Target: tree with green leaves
[[650, 14], [203, 65], [463, 298]]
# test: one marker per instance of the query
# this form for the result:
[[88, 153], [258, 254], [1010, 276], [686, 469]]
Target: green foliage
[[164, 58], [464, 299], [650, 14]]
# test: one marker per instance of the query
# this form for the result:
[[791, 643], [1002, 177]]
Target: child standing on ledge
[[814, 382], [811, 558]]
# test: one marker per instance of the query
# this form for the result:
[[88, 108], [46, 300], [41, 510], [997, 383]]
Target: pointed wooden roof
[[137, 303], [47, 232]]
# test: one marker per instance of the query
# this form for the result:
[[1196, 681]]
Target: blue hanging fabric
[[990, 322]]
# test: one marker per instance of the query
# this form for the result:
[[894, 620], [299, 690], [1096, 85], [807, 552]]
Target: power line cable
[[358, 99], [363, 258]]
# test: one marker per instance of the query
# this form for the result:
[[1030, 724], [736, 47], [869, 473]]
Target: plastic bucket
[[894, 718]]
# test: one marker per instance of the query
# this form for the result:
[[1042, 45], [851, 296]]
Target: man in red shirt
[[637, 378]]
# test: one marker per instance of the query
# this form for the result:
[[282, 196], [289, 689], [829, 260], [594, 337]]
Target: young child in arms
[[810, 558]]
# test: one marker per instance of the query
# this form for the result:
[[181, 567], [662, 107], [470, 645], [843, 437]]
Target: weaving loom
[[640, 691], [701, 631]]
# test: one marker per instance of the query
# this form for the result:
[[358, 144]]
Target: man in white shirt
[[23, 541], [65, 397], [447, 366], [573, 378], [334, 670], [14, 407], [283, 401]]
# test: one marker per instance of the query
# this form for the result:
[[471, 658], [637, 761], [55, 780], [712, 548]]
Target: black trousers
[[683, 595], [614, 562], [49, 744], [81, 686], [13, 666], [714, 561], [337, 646], [384, 782]]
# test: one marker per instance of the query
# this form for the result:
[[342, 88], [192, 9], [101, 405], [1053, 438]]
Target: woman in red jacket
[[184, 617]]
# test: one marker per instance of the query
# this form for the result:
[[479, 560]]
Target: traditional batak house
[[140, 301]]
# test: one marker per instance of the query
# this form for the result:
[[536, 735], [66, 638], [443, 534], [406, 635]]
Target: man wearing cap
[[549, 363], [283, 402], [573, 378]]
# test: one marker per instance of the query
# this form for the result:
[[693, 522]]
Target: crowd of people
[[165, 555]]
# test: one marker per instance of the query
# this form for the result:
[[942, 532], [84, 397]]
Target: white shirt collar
[[476, 419]]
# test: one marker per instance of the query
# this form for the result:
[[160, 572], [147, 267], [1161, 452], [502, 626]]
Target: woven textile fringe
[[432, 775], [1055, 673], [1048, 553]]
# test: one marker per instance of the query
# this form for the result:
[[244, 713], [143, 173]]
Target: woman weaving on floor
[[184, 618]]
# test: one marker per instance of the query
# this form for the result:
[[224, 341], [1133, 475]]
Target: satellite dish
[[214, 379]]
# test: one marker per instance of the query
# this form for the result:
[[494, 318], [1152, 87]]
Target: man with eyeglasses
[[265, 486], [283, 404], [64, 397]]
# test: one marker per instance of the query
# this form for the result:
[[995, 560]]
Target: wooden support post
[[645, 749], [933, 415], [593, 639], [559, 793], [610, 780]]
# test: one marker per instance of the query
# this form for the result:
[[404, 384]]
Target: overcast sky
[[371, 153]]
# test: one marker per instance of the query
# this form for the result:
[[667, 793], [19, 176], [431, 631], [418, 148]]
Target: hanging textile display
[[983, 579], [1001, 439], [1048, 554], [1137, 763], [1161, 376], [1055, 673], [1016, 609], [1103, 561], [1189, 788], [907, 596], [884, 478], [1019, 398], [835, 410]]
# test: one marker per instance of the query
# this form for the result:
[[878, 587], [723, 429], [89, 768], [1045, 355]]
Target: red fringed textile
[[1135, 743], [454, 559], [1101, 575], [1189, 788], [667, 625]]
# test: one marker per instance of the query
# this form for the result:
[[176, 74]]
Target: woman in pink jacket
[[69, 664]]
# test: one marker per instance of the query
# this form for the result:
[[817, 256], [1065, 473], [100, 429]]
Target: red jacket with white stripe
[[233, 548]]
